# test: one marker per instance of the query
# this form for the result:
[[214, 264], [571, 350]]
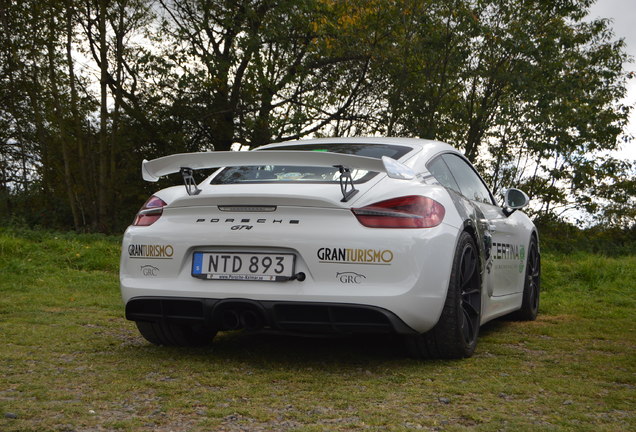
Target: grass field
[[69, 361]]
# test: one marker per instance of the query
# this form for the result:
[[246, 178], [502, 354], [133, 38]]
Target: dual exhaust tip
[[236, 319]]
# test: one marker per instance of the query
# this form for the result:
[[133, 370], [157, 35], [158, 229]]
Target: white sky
[[623, 14]]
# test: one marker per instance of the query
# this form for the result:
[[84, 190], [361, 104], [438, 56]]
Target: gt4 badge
[[350, 277], [241, 227]]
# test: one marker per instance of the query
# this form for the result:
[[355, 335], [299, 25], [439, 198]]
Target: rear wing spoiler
[[152, 170], [187, 162]]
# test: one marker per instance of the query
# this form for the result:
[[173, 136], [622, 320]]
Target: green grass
[[69, 361]]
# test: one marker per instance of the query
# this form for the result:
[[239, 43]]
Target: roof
[[428, 147]]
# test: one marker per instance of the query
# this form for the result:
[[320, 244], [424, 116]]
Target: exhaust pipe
[[230, 320], [251, 320]]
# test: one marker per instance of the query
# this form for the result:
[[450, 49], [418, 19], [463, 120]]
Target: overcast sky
[[623, 14]]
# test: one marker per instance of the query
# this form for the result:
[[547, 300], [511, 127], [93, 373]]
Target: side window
[[438, 168], [470, 184]]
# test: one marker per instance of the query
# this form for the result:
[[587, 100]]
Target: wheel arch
[[478, 237], [481, 239], [470, 228], [535, 233]]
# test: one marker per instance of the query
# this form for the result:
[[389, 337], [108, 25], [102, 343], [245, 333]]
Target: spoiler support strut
[[347, 187], [189, 182]]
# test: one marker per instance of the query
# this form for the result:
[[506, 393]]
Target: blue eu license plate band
[[197, 263]]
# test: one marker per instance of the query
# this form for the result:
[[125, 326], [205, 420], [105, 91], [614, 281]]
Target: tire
[[162, 333], [455, 334], [532, 285]]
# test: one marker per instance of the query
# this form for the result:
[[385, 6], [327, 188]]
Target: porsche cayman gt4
[[339, 235]]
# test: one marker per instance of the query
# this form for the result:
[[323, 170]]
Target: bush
[[560, 236]]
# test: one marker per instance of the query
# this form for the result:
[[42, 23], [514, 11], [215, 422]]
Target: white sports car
[[338, 235]]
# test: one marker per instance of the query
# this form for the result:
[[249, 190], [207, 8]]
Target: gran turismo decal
[[355, 256], [151, 251], [149, 271], [350, 277]]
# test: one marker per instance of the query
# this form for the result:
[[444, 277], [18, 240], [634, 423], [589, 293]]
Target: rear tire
[[162, 333], [455, 334], [532, 285]]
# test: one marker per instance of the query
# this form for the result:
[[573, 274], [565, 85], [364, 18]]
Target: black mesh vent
[[330, 318]]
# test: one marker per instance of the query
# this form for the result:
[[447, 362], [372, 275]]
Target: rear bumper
[[288, 316], [405, 272]]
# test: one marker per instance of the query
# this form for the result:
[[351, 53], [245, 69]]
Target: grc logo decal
[[152, 251], [355, 256], [350, 277], [149, 271]]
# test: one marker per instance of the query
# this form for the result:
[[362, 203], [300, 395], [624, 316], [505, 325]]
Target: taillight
[[411, 211], [150, 212]]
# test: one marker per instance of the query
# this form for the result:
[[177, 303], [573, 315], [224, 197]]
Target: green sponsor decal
[[502, 252]]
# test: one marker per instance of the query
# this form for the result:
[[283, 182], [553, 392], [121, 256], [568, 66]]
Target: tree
[[529, 91], [253, 72]]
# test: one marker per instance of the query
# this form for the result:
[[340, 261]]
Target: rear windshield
[[309, 174]]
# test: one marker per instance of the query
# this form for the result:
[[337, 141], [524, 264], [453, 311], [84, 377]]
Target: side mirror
[[514, 199]]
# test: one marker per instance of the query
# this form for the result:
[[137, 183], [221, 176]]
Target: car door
[[502, 269]]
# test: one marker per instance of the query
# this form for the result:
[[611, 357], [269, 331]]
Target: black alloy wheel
[[532, 285], [470, 294]]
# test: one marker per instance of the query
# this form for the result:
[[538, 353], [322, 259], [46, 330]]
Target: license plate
[[243, 266]]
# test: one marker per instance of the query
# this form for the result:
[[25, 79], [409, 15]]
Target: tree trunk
[[83, 164], [103, 153], [63, 136], [120, 31]]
